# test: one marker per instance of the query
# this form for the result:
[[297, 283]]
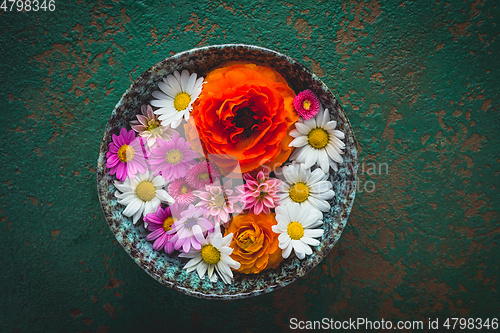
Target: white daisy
[[178, 92], [143, 194], [148, 126], [304, 187], [318, 141], [214, 254], [296, 228]]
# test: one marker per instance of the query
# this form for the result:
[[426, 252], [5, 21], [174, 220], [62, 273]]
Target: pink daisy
[[218, 201], [190, 229], [307, 104], [259, 194], [172, 158], [126, 156], [180, 190], [203, 173], [149, 127], [159, 223]]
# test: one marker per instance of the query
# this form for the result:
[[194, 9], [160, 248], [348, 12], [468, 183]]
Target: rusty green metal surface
[[418, 81]]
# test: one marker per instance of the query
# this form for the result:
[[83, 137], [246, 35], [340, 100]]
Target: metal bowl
[[167, 269]]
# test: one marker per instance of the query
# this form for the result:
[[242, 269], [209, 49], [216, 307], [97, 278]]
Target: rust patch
[[88, 321], [110, 309], [113, 283], [486, 105], [316, 68], [34, 200], [473, 143], [55, 233], [303, 28], [75, 313]]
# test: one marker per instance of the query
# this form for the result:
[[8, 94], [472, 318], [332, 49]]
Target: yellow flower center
[[174, 156], [220, 200], [126, 153], [182, 101], [167, 224], [145, 191], [184, 189], [307, 104], [154, 127], [299, 192], [318, 138], [210, 254], [203, 176], [295, 230], [246, 239]]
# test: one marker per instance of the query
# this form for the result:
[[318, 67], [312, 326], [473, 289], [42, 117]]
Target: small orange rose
[[245, 111], [255, 245]]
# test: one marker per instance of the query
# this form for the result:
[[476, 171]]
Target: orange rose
[[255, 245], [244, 114]]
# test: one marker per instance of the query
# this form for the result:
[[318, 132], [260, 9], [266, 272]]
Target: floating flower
[[306, 104], [245, 111], [189, 229], [296, 229], [212, 256], [159, 223], [148, 126], [125, 156], [304, 187], [318, 141], [143, 194], [181, 191], [203, 173], [259, 194], [255, 245], [172, 158], [178, 92], [218, 201]]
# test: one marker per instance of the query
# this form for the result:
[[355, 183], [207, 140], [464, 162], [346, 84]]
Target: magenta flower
[[190, 229], [181, 191], [259, 194], [218, 201], [307, 104], [203, 173], [126, 156], [159, 223], [172, 158]]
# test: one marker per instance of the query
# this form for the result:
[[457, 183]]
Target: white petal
[[132, 207], [184, 80], [174, 83], [313, 233], [298, 142], [323, 160], [302, 128], [167, 89]]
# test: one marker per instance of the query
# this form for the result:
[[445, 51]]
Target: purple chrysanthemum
[[126, 156], [190, 229], [202, 173], [306, 104], [172, 158], [181, 191], [159, 223]]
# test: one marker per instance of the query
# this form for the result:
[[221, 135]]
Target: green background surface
[[418, 81]]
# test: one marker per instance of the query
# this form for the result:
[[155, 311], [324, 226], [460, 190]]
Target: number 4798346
[[28, 5]]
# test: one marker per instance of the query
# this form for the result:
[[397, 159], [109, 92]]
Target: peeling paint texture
[[418, 81]]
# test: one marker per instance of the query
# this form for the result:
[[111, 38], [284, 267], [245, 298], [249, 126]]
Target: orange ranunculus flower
[[245, 111], [255, 245]]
